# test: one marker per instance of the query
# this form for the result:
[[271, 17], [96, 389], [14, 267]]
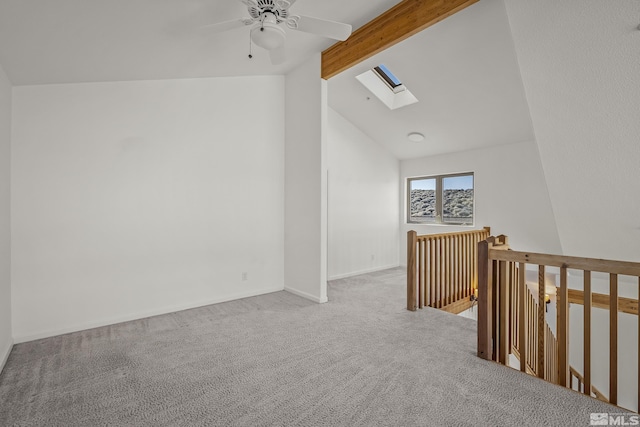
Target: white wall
[[6, 334], [306, 183], [363, 208], [138, 198], [579, 64], [510, 195]]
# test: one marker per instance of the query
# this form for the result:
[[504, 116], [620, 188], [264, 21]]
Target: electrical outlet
[[245, 276]]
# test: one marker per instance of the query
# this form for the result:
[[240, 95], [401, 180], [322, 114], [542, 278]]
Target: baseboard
[[357, 273], [141, 315], [306, 295], [4, 354]]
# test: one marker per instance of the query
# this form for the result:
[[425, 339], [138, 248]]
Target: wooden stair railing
[[442, 269], [501, 288], [530, 319], [594, 391]]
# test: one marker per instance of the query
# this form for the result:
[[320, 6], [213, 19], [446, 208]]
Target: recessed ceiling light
[[415, 137]]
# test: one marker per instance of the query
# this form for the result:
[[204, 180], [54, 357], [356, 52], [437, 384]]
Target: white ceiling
[[463, 70], [72, 41], [465, 74]]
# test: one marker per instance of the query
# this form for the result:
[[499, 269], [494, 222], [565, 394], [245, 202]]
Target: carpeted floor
[[279, 360]]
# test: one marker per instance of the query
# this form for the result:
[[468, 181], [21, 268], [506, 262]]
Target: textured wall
[[305, 182], [137, 198], [581, 72], [5, 218], [363, 188]]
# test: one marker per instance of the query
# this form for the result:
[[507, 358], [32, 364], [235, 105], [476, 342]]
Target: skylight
[[389, 78], [387, 87]]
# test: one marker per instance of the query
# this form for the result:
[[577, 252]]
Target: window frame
[[439, 199]]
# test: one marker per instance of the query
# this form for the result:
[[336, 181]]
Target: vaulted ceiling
[[72, 41], [463, 69], [563, 74], [465, 74]]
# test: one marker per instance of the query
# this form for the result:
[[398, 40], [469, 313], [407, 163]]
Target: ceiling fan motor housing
[[279, 8]]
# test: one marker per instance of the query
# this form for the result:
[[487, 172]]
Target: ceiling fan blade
[[285, 4], [277, 56], [225, 26], [322, 27]]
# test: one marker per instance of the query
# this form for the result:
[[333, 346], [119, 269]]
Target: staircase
[[511, 321], [450, 271]]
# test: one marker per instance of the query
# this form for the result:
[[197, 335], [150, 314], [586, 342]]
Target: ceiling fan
[[266, 16]]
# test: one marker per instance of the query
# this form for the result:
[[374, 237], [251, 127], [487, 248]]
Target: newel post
[[412, 295], [485, 298]]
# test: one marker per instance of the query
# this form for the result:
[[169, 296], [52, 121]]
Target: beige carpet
[[279, 360]]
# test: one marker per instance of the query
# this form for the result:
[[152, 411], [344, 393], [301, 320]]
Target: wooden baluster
[[587, 333], [436, 269], [530, 334], [513, 308], [571, 382], [421, 266], [445, 270], [454, 274], [541, 320], [475, 259], [613, 339], [522, 338], [547, 365], [467, 265], [463, 285], [432, 272], [562, 328], [465, 275], [452, 268], [458, 251], [411, 271], [533, 341], [440, 264], [449, 271], [427, 268], [472, 261], [485, 297], [503, 312]]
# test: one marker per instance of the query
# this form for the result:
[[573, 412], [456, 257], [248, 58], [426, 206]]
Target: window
[[387, 87], [389, 78], [442, 199]]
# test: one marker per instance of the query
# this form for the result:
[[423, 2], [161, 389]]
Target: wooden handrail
[[506, 316], [598, 395], [575, 263], [625, 305]]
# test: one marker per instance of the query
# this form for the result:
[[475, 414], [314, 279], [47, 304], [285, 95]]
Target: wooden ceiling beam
[[395, 25]]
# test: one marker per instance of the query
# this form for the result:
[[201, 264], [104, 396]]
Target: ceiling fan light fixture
[[268, 36]]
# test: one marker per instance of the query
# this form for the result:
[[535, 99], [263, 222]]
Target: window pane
[[422, 200], [457, 199]]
